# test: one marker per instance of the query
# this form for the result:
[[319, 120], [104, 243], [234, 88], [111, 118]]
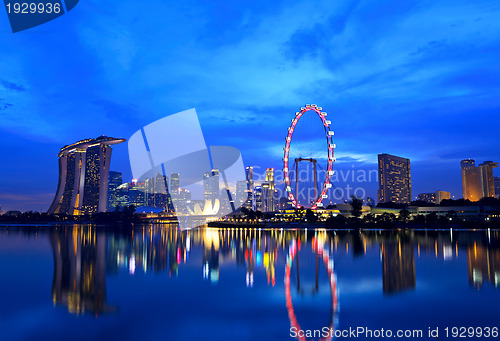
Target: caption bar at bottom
[[363, 332]]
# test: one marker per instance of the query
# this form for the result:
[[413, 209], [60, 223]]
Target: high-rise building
[[114, 181], [211, 185], [270, 205], [442, 195], [427, 197], [487, 182], [267, 197], [257, 192], [496, 181], [250, 185], [249, 175], [469, 178], [174, 183], [83, 176], [241, 192], [477, 182], [394, 179]]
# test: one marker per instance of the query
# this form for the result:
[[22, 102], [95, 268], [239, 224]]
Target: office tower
[[442, 195], [477, 182], [257, 192], [83, 177], [114, 181], [250, 184], [175, 191], [211, 185], [266, 196], [394, 179], [467, 167], [174, 183], [398, 267], [496, 181], [270, 180], [427, 197], [249, 175], [241, 192]]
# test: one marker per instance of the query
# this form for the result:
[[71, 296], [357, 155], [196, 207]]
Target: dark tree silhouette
[[311, 216], [357, 205]]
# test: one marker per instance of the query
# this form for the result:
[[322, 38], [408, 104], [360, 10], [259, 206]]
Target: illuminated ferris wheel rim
[[331, 158]]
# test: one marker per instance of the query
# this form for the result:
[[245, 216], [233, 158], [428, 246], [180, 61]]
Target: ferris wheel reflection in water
[[319, 252]]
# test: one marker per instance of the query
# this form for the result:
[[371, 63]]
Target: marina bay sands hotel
[[83, 177]]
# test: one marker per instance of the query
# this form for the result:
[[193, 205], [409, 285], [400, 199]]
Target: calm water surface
[[83, 282]]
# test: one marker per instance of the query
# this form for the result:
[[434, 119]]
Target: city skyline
[[267, 181], [437, 70]]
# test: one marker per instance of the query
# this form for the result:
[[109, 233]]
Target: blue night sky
[[418, 79]]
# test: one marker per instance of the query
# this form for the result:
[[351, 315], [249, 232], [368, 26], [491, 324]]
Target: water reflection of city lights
[[132, 265]]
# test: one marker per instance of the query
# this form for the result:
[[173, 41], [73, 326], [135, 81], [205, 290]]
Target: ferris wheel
[[330, 146]]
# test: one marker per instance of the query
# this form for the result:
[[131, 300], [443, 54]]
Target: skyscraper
[[487, 182], [266, 197], [258, 198], [394, 179], [270, 205], [83, 176], [241, 192], [470, 180], [250, 186], [211, 185], [496, 181], [114, 180], [174, 183], [477, 182]]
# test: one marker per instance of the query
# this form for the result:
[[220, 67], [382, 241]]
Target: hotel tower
[[83, 177]]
